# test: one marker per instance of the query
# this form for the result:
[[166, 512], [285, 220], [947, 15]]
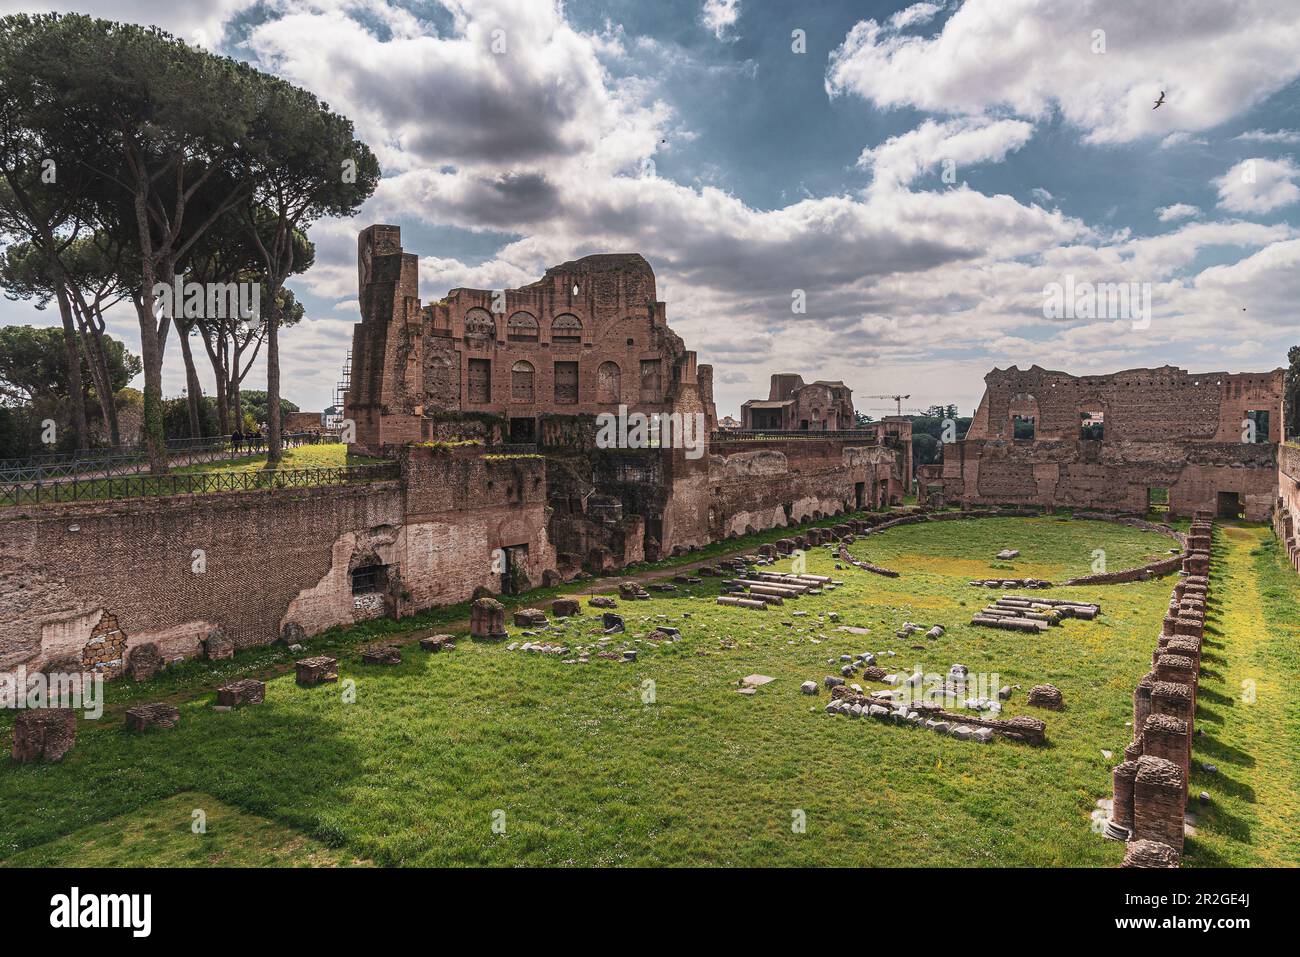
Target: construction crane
[[897, 398]]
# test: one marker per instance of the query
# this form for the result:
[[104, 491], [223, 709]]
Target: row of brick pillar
[[1284, 525], [1150, 784]]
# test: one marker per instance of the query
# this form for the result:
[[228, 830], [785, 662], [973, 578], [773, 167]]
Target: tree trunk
[[90, 323], [223, 407], [99, 378], [76, 393], [193, 389], [274, 451], [236, 403], [151, 343]]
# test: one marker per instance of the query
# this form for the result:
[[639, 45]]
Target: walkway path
[[1248, 709]]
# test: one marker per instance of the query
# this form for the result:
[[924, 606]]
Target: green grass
[[1247, 712], [164, 835], [327, 455], [143, 485], [586, 773]]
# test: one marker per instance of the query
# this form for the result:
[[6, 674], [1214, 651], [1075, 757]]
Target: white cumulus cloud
[[1259, 185]]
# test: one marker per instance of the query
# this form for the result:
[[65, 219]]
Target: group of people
[[254, 440]]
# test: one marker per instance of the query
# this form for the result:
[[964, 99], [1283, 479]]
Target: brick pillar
[[1187, 647], [1167, 626], [1142, 704], [487, 619], [1176, 701], [1167, 737], [1158, 802], [1149, 854], [1121, 812]]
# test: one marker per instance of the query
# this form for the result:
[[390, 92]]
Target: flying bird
[[1159, 101]]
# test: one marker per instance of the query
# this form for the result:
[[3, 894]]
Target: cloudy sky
[[921, 172]]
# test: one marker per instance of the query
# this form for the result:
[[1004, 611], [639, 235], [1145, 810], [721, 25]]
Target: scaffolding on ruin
[[334, 420]]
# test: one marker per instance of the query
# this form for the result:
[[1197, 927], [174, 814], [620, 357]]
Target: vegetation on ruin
[[587, 773], [445, 446]]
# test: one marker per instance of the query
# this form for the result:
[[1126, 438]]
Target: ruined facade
[[1122, 442], [538, 364], [83, 585], [818, 407], [587, 337]]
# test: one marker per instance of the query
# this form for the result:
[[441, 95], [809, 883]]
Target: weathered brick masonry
[[1286, 517], [587, 337], [1162, 429], [539, 363], [80, 585]]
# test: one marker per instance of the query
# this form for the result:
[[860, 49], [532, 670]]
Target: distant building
[[791, 405], [728, 422]]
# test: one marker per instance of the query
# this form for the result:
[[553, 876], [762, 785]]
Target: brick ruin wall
[[302, 422], [84, 584], [1163, 429], [1286, 516], [587, 337], [745, 487]]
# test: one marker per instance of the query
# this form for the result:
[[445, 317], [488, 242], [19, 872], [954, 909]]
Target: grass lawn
[[486, 756], [325, 455], [250, 472], [1245, 709], [163, 835]]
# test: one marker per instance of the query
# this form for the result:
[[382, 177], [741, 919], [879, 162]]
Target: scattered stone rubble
[[243, 691], [381, 655], [1017, 613], [1046, 696], [149, 716], [565, 607], [316, 670], [882, 705], [1010, 583], [844, 556], [760, 589], [44, 734], [530, 618]]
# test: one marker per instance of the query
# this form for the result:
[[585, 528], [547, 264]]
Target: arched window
[[479, 326], [609, 382], [566, 328], [521, 328], [521, 382]]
